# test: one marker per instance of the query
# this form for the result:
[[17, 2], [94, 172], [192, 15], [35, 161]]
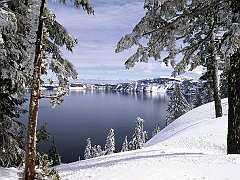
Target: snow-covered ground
[[192, 147]]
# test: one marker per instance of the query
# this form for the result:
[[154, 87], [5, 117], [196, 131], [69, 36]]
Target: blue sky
[[94, 56]]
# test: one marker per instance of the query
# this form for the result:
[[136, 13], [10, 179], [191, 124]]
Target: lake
[[92, 114]]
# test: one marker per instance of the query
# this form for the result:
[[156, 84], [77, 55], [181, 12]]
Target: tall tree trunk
[[34, 103], [214, 77], [233, 138]]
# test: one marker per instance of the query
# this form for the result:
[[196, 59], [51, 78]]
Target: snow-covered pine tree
[[207, 93], [110, 142], [145, 136], [12, 81], [87, 152], [50, 36], [180, 27], [210, 58], [139, 136], [156, 129], [130, 146], [177, 105], [94, 152], [198, 101], [99, 150], [224, 79], [42, 134], [125, 145], [18, 46]]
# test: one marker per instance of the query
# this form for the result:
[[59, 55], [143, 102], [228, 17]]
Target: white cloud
[[94, 56]]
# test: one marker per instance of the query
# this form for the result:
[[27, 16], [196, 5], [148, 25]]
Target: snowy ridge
[[192, 147], [194, 127]]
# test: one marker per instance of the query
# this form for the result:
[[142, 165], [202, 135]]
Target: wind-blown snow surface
[[192, 147]]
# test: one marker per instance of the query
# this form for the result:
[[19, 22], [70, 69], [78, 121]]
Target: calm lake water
[[86, 114]]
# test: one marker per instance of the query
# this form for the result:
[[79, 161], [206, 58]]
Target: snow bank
[[8, 173], [196, 131]]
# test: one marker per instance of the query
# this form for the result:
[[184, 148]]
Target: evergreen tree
[[99, 150], [54, 156], [130, 146], [211, 76], [139, 136], [52, 35], [198, 101], [87, 152], [12, 81], [94, 152], [18, 27], [110, 142], [42, 134], [207, 93], [182, 27], [145, 136], [224, 79], [177, 105], [125, 145], [156, 129]]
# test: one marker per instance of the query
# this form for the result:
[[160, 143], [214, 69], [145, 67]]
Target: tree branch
[[194, 12], [52, 96]]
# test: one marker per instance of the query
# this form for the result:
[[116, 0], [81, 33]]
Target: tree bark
[[34, 103], [214, 74], [233, 138], [216, 95]]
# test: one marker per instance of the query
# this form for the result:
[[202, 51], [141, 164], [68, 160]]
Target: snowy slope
[[192, 147]]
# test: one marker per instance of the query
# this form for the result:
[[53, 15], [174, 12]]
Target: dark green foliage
[[43, 134], [198, 101], [177, 106], [156, 129], [207, 94], [54, 156], [224, 81]]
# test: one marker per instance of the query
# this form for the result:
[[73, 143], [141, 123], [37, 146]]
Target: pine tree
[[130, 146], [224, 79], [210, 58], [125, 145], [177, 105], [99, 150], [156, 129], [168, 23], [53, 35], [94, 152], [145, 136], [198, 101], [110, 142], [207, 94], [87, 152], [18, 26], [53, 155], [139, 136], [12, 81]]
